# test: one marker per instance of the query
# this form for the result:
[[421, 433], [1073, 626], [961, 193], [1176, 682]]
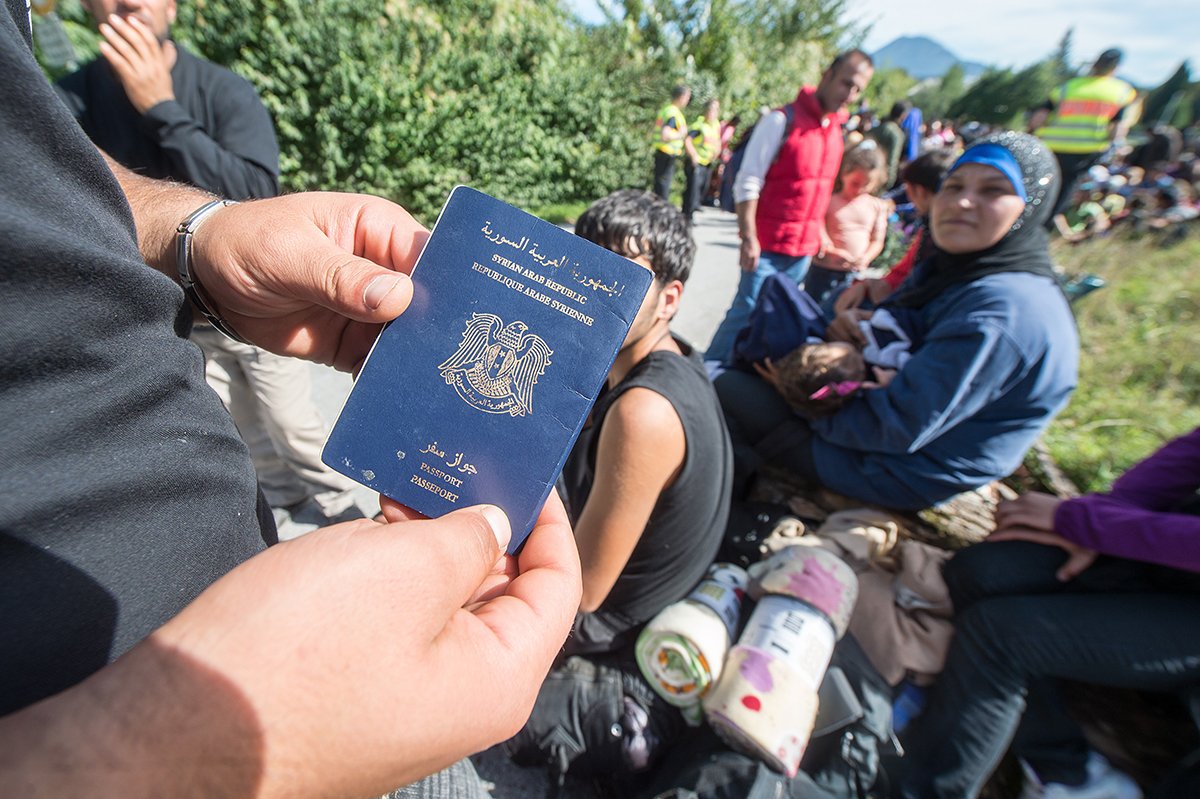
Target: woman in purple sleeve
[[1103, 589]]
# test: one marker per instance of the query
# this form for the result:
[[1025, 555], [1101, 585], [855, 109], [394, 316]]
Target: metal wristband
[[183, 261]]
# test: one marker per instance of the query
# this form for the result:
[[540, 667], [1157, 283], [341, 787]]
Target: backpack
[[591, 715], [785, 317], [734, 164]]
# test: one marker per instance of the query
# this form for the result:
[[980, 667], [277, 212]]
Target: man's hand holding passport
[[478, 391]]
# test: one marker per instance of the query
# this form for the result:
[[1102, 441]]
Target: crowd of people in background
[[934, 375], [1148, 182]]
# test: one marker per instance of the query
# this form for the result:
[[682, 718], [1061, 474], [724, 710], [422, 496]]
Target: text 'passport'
[[477, 392]]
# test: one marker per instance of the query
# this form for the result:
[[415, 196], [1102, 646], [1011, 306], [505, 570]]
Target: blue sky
[[1155, 34]]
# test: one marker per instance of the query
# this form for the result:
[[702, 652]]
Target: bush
[[407, 99]]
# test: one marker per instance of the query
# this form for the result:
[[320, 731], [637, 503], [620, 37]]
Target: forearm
[[597, 585], [158, 207], [606, 539], [1111, 527], [746, 219], [151, 724]]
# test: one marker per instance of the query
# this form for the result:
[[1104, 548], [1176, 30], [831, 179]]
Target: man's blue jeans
[[794, 266]]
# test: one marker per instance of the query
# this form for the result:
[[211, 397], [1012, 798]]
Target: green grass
[[1139, 370]]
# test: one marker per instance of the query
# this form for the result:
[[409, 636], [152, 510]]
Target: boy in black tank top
[[648, 486]]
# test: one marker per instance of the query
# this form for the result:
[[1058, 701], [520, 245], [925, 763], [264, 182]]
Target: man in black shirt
[[137, 657], [162, 112], [648, 484]]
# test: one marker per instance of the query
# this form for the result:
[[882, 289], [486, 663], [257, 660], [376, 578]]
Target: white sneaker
[[1103, 782]]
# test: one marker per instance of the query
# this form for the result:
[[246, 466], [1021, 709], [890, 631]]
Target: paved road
[[709, 291]]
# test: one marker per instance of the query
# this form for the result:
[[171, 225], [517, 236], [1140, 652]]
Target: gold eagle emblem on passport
[[496, 366]]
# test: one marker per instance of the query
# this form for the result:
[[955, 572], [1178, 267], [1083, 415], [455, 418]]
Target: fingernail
[[498, 520], [379, 288]]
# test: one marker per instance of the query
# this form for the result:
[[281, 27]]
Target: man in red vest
[[784, 185]]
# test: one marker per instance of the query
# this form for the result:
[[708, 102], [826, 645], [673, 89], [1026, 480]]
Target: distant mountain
[[923, 58]]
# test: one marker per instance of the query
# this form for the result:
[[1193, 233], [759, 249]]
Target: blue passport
[[478, 391]]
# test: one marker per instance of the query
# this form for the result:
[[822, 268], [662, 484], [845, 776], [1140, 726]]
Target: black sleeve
[[239, 161], [70, 90]]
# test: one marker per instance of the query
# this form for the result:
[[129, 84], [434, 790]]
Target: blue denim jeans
[[794, 266], [822, 284], [1018, 631]]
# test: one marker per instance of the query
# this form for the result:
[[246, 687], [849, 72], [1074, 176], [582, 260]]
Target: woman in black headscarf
[[996, 360]]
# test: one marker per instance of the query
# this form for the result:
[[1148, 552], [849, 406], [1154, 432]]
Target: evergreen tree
[[935, 100], [1166, 98], [1001, 97], [1062, 67]]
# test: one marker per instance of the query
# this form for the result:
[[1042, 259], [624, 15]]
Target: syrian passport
[[477, 392]]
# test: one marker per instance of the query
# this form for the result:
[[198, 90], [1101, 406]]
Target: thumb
[[1076, 563], [456, 552], [357, 288]]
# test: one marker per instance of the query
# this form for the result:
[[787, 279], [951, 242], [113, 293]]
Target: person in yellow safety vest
[[705, 138], [1081, 119], [670, 139]]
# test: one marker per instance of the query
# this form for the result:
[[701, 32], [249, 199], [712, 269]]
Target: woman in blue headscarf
[[997, 358]]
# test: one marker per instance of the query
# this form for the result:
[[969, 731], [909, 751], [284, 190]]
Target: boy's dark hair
[[679, 91], [928, 169], [899, 109], [632, 222]]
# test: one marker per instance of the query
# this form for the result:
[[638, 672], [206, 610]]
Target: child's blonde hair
[[865, 156], [817, 379]]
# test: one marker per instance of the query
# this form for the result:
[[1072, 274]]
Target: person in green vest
[[704, 135], [1081, 119], [671, 139]]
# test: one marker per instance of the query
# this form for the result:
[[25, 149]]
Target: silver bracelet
[[183, 261]]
